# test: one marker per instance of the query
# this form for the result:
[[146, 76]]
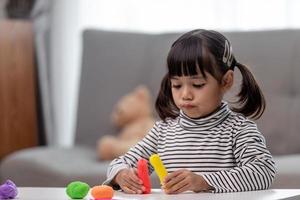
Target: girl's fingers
[[182, 188], [174, 181], [134, 176], [128, 190], [172, 175], [178, 186], [135, 179], [133, 185]]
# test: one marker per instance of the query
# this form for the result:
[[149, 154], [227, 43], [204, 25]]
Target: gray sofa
[[114, 63]]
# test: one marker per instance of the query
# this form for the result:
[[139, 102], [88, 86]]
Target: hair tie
[[228, 57], [233, 64]]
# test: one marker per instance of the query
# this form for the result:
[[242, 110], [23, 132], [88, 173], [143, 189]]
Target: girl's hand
[[183, 180], [128, 180]]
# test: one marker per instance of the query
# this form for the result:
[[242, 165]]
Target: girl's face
[[198, 97]]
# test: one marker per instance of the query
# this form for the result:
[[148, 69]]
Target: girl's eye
[[198, 85], [176, 86]]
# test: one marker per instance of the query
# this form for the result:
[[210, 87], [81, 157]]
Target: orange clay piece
[[102, 192]]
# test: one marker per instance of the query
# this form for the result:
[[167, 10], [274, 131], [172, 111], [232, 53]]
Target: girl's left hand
[[183, 180]]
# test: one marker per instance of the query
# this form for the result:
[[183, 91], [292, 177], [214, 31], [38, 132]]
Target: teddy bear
[[133, 116]]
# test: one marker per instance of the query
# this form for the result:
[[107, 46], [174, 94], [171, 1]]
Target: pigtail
[[251, 98], [164, 104]]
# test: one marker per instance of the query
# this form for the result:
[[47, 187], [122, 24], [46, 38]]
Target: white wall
[[65, 67], [2, 4]]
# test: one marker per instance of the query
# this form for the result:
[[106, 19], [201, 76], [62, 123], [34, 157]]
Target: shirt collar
[[207, 122]]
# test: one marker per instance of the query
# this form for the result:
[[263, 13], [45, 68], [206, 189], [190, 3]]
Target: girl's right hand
[[129, 181]]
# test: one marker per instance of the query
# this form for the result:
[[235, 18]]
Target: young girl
[[204, 144]]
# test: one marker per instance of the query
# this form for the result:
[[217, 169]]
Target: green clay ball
[[77, 190]]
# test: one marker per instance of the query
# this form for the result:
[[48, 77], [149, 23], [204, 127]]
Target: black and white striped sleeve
[[255, 168], [143, 149]]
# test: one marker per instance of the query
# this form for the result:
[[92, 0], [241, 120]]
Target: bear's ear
[[142, 92]]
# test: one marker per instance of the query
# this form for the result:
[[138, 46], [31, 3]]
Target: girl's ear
[[227, 81]]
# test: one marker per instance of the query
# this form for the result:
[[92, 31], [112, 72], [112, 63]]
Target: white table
[[36, 193]]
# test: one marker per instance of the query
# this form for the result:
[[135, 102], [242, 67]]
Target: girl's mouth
[[187, 106]]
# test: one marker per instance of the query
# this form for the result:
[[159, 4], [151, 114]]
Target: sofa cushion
[[273, 56], [53, 167], [56, 167], [288, 173]]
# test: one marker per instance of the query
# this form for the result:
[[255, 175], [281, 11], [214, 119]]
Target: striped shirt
[[225, 148]]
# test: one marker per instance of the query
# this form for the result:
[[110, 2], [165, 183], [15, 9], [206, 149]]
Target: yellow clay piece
[[158, 167]]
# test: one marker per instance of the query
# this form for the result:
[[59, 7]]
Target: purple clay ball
[[8, 190]]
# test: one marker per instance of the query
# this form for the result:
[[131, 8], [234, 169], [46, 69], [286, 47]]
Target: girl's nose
[[187, 94]]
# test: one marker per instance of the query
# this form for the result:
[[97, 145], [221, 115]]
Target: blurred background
[[57, 27]]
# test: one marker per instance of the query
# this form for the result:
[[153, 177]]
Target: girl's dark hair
[[207, 51]]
